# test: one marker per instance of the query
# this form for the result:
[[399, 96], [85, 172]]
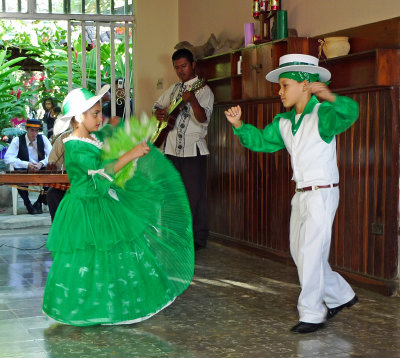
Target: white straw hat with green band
[[298, 63], [75, 103]]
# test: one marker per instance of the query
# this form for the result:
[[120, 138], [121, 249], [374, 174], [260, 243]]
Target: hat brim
[[84, 106], [34, 126], [62, 122], [324, 74]]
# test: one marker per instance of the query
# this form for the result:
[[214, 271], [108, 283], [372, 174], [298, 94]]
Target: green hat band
[[301, 76], [295, 63], [78, 98]]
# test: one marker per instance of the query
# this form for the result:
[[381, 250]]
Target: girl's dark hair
[[51, 99]]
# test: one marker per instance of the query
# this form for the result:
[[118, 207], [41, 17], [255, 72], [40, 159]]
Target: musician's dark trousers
[[193, 171], [54, 197], [25, 194]]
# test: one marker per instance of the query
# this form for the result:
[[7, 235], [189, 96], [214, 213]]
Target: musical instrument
[[172, 112], [55, 179]]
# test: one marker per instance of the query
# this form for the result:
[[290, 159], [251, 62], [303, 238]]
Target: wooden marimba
[[55, 179]]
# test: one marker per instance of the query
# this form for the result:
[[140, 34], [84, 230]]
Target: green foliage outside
[[22, 92]]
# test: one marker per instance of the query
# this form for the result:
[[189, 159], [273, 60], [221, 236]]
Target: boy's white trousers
[[311, 222]]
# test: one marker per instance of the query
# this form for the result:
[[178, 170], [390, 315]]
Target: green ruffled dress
[[120, 255]]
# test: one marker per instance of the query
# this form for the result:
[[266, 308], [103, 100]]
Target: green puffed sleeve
[[267, 140], [91, 175], [335, 117], [102, 178]]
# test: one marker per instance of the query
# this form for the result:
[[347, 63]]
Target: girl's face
[[291, 92], [92, 118], [48, 105]]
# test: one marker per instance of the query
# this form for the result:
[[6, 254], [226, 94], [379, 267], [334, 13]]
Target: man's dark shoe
[[304, 327], [30, 208], [38, 208], [334, 311], [44, 200], [198, 247]]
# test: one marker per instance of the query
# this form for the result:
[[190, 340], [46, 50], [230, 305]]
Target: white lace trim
[[93, 141]]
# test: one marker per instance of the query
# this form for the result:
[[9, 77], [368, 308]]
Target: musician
[[185, 144], [30, 152]]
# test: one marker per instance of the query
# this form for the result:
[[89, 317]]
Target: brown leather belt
[[315, 187]]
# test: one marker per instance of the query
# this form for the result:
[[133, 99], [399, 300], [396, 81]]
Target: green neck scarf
[[292, 113]]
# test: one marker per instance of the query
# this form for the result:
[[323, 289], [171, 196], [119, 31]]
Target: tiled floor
[[237, 306]]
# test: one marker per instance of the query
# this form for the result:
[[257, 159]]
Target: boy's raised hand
[[322, 91], [233, 115]]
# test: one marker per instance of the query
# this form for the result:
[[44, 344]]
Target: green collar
[[292, 113]]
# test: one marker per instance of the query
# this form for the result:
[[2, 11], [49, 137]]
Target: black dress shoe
[[304, 327], [38, 208], [198, 247], [334, 311], [31, 209]]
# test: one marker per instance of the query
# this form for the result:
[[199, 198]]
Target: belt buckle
[[316, 187]]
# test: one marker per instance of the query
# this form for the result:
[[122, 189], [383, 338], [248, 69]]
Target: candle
[[248, 33], [274, 5]]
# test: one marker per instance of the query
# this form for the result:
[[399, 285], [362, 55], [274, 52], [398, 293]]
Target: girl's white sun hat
[[75, 103]]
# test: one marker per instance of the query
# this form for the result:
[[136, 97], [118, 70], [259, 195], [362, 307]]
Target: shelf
[[378, 67], [224, 78], [220, 70]]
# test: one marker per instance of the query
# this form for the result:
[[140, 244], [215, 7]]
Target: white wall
[[161, 24], [156, 35], [224, 18], [316, 17], [197, 19]]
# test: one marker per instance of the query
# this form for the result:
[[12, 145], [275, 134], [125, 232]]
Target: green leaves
[[10, 105], [45, 41]]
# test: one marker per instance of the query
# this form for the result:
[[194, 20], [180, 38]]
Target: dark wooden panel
[[249, 76], [264, 56], [250, 193]]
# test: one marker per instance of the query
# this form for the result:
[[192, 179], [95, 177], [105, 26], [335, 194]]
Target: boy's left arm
[[336, 113]]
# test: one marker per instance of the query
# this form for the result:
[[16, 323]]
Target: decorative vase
[[335, 46]]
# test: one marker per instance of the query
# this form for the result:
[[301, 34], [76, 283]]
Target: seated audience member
[[56, 162], [30, 152], [51, 112]]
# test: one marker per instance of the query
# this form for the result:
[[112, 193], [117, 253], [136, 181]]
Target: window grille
[[98, 20]]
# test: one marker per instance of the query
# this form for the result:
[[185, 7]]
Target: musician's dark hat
[[33, 123]]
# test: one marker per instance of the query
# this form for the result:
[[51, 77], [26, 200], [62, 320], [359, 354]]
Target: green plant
[[46, 42], [13, 100]]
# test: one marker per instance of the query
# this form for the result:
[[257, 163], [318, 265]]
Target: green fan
[[124, 138]]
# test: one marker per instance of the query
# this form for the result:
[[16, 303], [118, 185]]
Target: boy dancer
[[308, 133]]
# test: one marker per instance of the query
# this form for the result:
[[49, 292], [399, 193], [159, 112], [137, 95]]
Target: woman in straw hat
[[308, 132], [120, 253]]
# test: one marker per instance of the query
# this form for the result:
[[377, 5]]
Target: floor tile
[[238, 305]]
